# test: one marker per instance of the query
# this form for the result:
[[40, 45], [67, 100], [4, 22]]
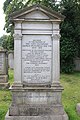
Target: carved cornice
[[17, 36]]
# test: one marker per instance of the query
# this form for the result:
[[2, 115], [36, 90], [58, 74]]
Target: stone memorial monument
[[11, 59], [3, 69], [36, 92]]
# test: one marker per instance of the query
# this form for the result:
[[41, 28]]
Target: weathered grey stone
[[36, 92], [3, 78], [47, 117], [11, 59], [4, 85], [13, 110], [38, 97], [3, 69], [26, 102], [78, 108]]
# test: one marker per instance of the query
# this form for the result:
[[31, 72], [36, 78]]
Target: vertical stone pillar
[[56, 59], [17, 58]]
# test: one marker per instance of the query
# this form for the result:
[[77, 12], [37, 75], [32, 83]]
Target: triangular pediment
[[36, 12], [35, 15]]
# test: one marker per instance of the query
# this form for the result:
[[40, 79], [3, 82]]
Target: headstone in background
[[11, 59], [36, 92], [77, 64], [78, 108], [3, 69]]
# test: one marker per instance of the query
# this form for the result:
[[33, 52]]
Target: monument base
[[47, 117], [36, 103]]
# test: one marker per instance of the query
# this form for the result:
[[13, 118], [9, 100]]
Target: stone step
[[4, 85], [50, 117]]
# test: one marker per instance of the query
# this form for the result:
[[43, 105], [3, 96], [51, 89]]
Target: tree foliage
[[70, 32], [3, 38], [6, 41]]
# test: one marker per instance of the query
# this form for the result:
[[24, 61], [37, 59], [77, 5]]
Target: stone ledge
[[33, 110], [4, 85], [50, 117], [21, 87]]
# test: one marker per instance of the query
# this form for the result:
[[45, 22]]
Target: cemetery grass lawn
[[5, 98], [70, 95]]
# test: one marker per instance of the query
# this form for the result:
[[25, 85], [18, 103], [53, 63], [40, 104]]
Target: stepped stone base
[[36, 103], [47, 117]]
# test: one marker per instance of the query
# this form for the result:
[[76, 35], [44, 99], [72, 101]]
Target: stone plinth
[[77, 64], [36, 92], [47, 117], [33, 103], [3, 69]]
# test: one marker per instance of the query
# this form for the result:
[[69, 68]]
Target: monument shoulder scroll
[[56, 36], [17, 36]]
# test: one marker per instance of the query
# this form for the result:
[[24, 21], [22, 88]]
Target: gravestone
[[77, 64], [36, 92], [11, 59], [3, 69], [78, 108]]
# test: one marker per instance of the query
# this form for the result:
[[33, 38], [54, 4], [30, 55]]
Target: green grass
[[11, 76], [70, 95], [5, 98]]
